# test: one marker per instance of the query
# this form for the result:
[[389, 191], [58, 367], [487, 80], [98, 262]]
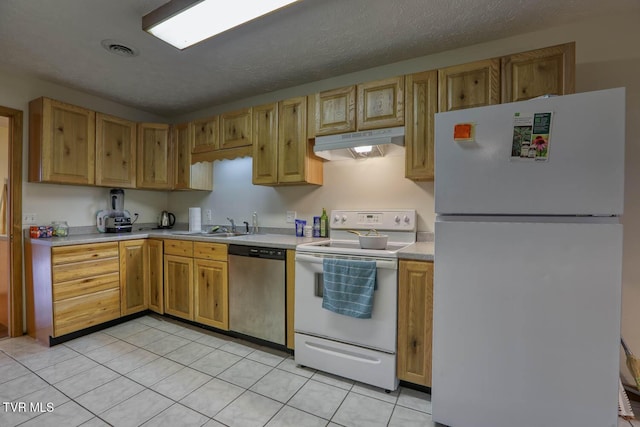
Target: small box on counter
[[40, 231]]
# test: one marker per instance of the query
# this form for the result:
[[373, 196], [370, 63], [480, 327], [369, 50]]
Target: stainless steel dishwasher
[[257, 288]]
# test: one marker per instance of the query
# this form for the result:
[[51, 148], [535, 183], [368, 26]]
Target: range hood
[[359, 145]]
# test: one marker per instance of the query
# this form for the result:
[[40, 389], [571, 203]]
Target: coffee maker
[[117, 220]]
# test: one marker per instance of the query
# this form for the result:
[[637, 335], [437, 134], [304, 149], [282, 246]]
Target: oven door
[[378, 332]]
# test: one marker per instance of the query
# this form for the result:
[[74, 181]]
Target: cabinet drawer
[[79, 253], [214, 251], [84, 286], [178, 247], [86, 269], [77, 313]]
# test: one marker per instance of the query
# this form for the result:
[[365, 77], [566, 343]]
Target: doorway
[[11, 299]]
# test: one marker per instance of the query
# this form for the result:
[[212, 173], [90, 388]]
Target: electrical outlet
[[207, 213], [29, 218], [291, 216]]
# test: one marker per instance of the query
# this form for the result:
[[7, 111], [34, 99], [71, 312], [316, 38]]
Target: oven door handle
[[380, 263]]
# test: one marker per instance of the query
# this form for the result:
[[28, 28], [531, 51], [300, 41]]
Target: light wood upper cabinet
[[415, 321], [296, 162], [134, 276], [421, 95], [372, 105], [154, 163], [156, 293], [265, 144], [235, 128], [475, 84], [381, 103], [539, 72], [335, 111], [205, 134], [188, 176], [61, 143], [115, 152]]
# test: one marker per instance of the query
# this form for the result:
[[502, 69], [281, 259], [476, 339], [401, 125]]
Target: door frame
[[15, 219]]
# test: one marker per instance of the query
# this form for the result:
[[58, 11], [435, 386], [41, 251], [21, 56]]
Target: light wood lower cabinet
[[178, 286], [415, 320], [134, 276], [196, 283], [70, 288], [156, 276]]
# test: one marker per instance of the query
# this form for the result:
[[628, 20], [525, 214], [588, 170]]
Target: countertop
[[418, 251]]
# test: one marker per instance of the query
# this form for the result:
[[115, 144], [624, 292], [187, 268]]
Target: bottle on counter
[[324, 224], [60, 228]]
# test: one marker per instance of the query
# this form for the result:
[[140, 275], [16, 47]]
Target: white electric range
[[360, 349]]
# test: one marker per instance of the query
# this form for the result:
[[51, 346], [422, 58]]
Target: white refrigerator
[[528, 262]]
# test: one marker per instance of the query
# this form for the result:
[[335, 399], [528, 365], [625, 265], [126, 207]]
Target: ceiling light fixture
[[183, 23]]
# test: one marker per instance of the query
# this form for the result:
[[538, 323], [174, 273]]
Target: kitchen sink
[[222, 235]]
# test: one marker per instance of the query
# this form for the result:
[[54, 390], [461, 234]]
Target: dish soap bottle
[[324, 224]]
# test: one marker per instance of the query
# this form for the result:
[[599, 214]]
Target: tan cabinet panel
[[211, 293], [475, 84], [235, 128], [154, 163], [292, 137], [178, 286], [134, 276], [213, 251], [85, 285], [547, 71], [415, 321], [81, 312], [205, 134], [178, 247], [265, 144], [88, 252], [381, 103], [156, 277], [115, 151], [61, 143], [335, 111], [421, 95], [84, 269]]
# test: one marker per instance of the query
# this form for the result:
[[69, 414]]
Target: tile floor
[[153, 371]]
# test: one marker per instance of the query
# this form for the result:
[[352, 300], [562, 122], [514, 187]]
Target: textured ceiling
[[59, 41]]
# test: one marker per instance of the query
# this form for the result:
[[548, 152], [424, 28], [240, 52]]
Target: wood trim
[[16, 327], [290, 295], [228, 154]]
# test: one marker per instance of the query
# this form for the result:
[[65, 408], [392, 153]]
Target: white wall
[[75, 204]]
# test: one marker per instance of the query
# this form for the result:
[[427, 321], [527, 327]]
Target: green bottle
[[324, 224]]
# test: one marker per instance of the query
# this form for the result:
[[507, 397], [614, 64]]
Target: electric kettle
[[166, 220]]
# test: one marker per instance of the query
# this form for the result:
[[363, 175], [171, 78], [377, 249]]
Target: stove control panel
[[400, 220]]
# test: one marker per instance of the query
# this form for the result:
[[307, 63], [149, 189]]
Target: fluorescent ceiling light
[[183, 23], [363, 149]]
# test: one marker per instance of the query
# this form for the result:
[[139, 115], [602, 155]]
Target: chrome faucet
[[233, 225]]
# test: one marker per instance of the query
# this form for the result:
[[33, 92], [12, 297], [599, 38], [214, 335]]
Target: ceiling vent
[[119, 48]]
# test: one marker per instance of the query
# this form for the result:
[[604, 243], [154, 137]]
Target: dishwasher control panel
[[257, 252]]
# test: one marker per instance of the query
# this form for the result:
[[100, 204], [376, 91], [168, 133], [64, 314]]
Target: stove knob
[[336, 218], [344, 219], [396, 219], [407, 220]]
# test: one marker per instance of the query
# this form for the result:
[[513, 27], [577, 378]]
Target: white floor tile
[[333, 380], [110, 351], [91, 342], [212, 397], [69, 414], [189, 353], [215, 362], [145, 337], [86, 381], [249, 410], [290, 365], [245, 373], [132, 360], [110, 394], [21, 386], [376, 392], [166, 345], [318, 399], [66, 369], [266, 357], [181, 383], [213, 340], [177, 415], [136, 410], [237, 348], [154, 372], [11, 370], [363, 411], [50, 357], [414, 399], [289, 417], [124, 330], [405, 417], [279, 385]]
